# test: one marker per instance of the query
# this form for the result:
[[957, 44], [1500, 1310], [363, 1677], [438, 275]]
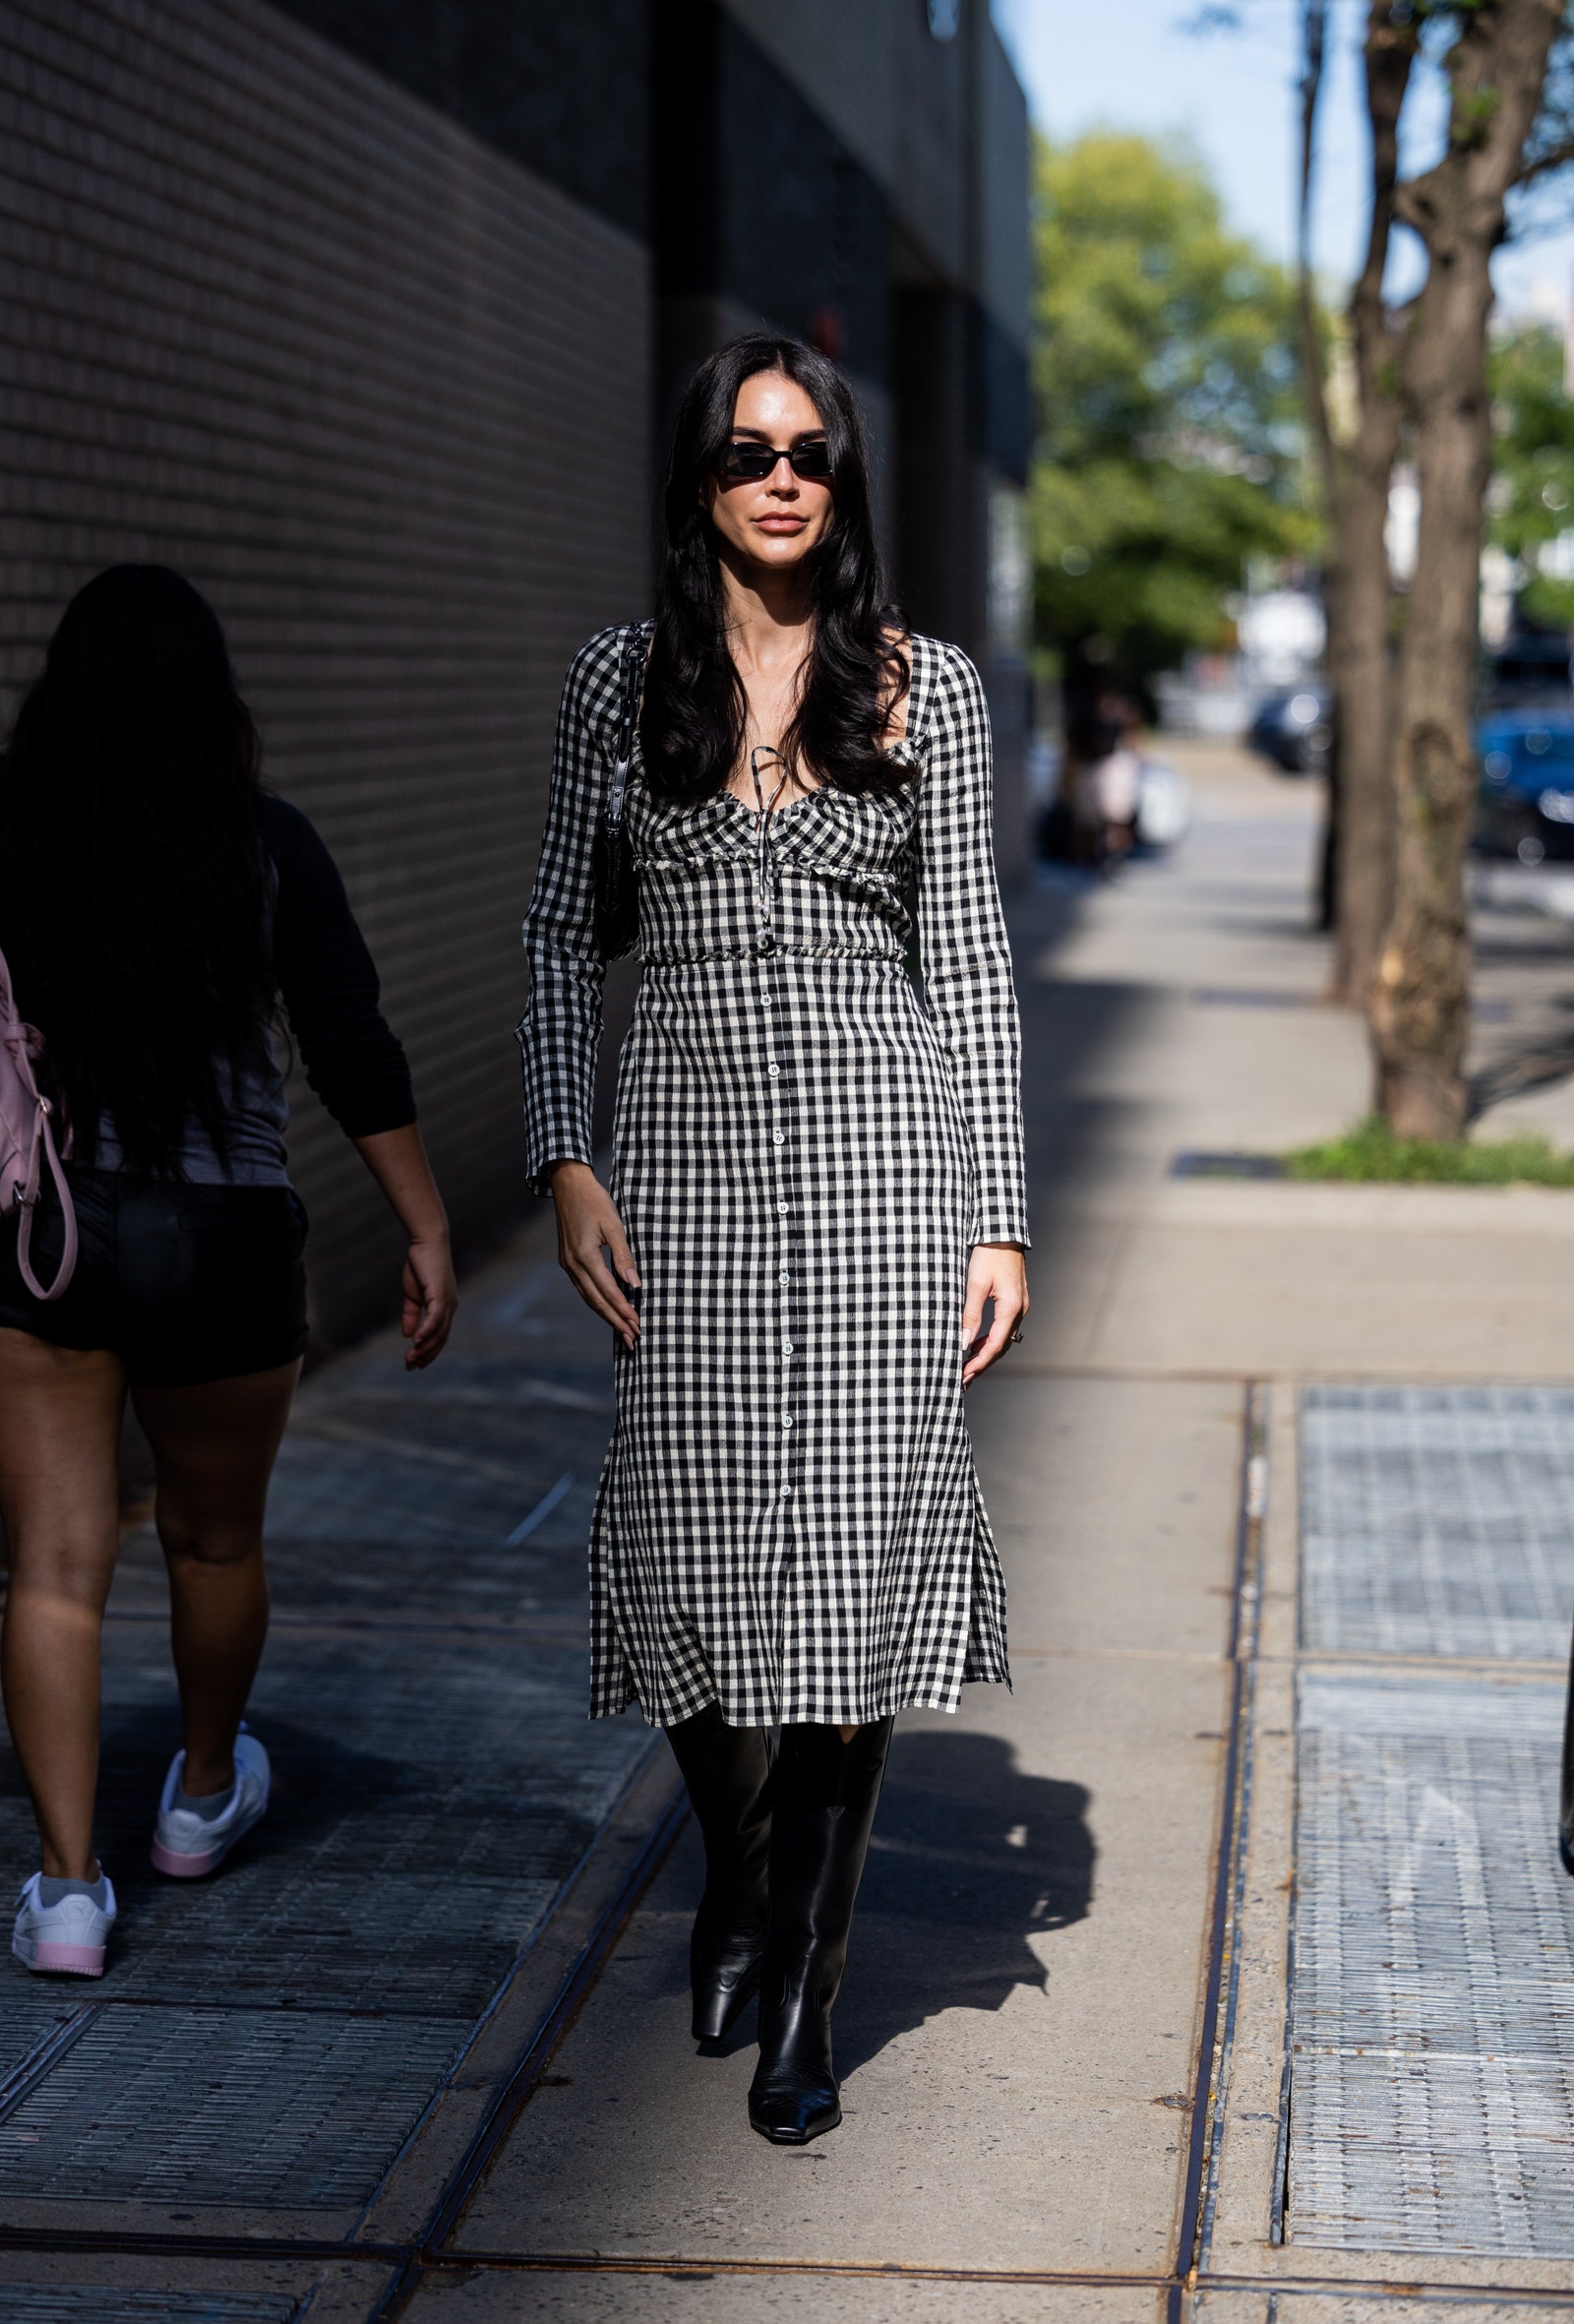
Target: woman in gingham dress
[[817, 1185]]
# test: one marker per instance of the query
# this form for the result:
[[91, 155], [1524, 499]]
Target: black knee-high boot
[[727, 1770], [822, 1808]]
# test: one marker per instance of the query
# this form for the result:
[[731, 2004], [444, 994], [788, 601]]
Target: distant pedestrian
[[156, 906], [1107, 773], [817, 1178]]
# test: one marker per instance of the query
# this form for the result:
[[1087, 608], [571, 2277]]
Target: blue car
[[1525, 802], [1294, 730]]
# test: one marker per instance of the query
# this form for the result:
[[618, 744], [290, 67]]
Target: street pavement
[[1219, 1970]]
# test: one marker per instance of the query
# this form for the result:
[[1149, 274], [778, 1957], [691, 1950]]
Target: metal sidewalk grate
[[1437, 1522], [255, 2108], [116, 2304], [26, 2018], [431, 1793], [1432, 1997], [383, 1499]]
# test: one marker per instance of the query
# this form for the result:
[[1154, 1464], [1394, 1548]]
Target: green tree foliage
[[1168, 443], [1533, 494]]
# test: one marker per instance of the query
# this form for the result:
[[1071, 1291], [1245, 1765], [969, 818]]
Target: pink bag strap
[[44, 1143], [25, 1044]]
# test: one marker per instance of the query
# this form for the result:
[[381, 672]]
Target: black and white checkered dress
[[806, 1151]]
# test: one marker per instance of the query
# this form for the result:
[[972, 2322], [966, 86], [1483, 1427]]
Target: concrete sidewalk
[[1285, 1577]]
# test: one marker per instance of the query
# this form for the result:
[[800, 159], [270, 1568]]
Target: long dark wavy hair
[[134, 883], [694, 720]]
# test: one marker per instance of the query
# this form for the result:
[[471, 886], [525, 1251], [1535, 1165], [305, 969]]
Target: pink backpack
[[26, 1138]]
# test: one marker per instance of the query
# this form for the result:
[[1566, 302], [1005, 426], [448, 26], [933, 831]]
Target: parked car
[[1528, 669], [1526, 801], [1294, 731]]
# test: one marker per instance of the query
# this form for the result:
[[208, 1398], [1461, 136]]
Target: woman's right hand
[[589, 1228]]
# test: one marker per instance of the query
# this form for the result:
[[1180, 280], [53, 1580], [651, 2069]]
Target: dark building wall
[[940, 516], [896, 97], [1003, 271], [758, 203], [559, 87], [762, 218], [382, 393], [934, 133]]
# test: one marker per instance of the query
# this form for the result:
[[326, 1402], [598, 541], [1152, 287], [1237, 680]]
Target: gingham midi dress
[[806, 1148]]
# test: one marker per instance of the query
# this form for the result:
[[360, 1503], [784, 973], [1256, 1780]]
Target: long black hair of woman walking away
[[158, 909], [817, 1177]]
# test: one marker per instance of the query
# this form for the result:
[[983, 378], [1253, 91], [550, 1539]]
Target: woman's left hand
[[995, 1270]]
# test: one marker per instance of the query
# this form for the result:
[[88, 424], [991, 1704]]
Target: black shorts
[[185, 1283]]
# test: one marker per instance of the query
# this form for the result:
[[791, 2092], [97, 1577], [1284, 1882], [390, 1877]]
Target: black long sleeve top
[[328, 983]]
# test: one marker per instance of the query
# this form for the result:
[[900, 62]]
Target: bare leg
[[60, 1414], [213, 1449]]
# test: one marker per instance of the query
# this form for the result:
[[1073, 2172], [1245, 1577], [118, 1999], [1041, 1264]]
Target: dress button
[[773, 1070], [786, 1278], [782, 1209], [786, 1420], [778, 1139], [786, 1347]]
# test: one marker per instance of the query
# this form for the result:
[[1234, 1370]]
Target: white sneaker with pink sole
[[64, 1939], [187, 1844]]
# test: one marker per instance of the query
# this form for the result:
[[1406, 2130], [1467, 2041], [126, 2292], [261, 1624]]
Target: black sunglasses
[[743, 463]]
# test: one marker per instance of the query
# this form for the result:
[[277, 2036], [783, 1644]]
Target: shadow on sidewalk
[[970, 1859]]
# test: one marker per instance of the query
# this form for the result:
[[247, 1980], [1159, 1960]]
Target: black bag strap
[[631, 688]]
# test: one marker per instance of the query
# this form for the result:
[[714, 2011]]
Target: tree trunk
[[1359, 655], [1314, 43], [1360, 668], [1328, 854], [1421, 997]]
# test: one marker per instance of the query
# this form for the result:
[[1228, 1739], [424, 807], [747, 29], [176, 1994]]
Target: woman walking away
[[155, 905], [817, 1178]]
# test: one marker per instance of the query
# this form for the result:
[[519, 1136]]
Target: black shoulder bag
[[612, 866]]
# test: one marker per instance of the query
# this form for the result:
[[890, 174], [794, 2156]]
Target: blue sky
[[1133, 64]]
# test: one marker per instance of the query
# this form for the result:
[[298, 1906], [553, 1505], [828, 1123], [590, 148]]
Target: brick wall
[[382, 393]]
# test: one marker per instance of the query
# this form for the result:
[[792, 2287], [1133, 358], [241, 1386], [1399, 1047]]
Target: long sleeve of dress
[[559, 1033], [964, 956]]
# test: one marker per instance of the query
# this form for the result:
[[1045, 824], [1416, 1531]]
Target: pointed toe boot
[[795, 2096], [727, 1772], [823, 1799]]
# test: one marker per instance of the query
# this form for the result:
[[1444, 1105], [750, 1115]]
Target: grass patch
[[1371, 1154]]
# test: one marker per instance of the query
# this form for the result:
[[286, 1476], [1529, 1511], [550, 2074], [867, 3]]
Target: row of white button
[[778, 1138]]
